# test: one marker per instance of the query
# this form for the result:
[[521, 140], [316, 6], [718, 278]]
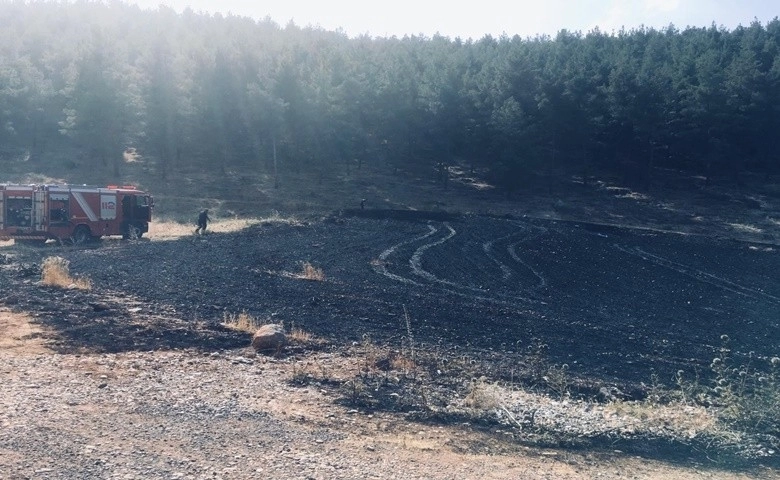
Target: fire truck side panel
[[39, 211], [59, 210], [85, 210], [108, 206], [17, 211]]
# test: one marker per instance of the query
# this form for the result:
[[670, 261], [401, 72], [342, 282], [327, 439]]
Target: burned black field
[[613, 304]]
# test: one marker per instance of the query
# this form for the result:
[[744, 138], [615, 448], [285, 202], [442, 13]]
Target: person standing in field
[[203, 221]]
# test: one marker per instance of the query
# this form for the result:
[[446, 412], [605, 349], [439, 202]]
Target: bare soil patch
[[19, 335]]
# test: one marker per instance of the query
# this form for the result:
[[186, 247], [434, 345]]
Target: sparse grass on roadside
[[745, 395], [537, 369], [688, 420], [547, 419], [377, 379], [55, 272], [735, 409], [747, 392]]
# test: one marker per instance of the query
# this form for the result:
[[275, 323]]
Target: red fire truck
[[36, 213]]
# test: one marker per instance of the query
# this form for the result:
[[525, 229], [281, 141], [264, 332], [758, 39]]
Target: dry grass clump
[[276, 217], [298, 335], [242, 322], [55, 272], [686, 419], [310, 272], [402, 363], [162, 229], [171, 230]]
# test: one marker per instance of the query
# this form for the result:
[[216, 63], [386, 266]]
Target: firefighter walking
[[203, 221]]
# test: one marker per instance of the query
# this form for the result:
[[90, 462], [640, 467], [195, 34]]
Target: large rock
[[269, 338]]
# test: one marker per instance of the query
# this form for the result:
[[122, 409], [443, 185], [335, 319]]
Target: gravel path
[[194, 415]]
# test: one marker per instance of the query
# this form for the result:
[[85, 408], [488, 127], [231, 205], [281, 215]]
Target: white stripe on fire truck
[[85, 206]]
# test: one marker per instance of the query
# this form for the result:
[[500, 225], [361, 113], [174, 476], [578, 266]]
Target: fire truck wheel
[[81, 235]]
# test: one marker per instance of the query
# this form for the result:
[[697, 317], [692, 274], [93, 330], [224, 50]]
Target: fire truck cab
[[36, 213]]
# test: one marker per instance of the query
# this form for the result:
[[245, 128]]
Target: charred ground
[[611, 303]]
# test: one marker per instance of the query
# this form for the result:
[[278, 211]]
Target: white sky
[[475, 18]]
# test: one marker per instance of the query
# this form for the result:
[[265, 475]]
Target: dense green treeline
[[215, 93]]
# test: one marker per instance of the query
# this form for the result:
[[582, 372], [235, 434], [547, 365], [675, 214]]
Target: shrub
[[745, 396], [558, 380], [483, 395], [55, 272]]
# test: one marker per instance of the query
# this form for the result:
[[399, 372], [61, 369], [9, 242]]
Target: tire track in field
[[511, 248], [455, 288], [381, 266], [487, 247], [416, 260], [699, 275]]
